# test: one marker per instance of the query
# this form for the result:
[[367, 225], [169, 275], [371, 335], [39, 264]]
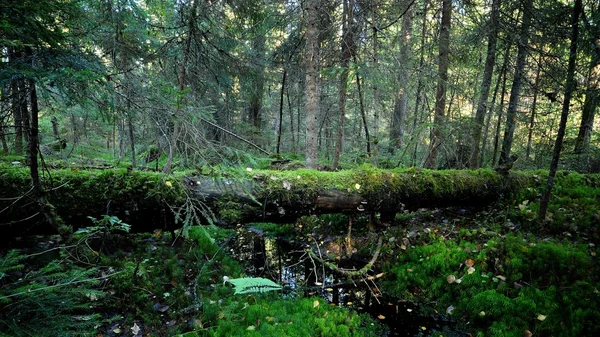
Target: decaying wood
[[147, 200]]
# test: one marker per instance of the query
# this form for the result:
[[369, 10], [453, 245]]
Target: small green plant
[[108, 223], [247, 285]]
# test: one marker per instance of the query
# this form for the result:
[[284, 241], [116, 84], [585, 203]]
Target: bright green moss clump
[[505, 286]]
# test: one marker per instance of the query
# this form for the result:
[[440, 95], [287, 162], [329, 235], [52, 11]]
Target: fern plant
[[246, 285], [56, 299]]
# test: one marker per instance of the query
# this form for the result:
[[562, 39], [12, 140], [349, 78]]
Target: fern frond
[[247, 285]]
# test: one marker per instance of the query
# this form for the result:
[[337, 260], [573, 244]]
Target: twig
[[350, 273], [61, 285]]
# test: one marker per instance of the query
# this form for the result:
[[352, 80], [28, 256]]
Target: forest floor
[[461, 271]]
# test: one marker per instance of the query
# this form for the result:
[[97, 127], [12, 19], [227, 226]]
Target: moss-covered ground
[[494, 272]]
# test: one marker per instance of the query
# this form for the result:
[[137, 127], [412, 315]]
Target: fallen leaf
[[469, 263], [168, 183], [449, 310], [135, 329], [249, 169], [381, 317], [451, 278], [527, 333], [541, 317], [316, 304], [482, 313], [423, 328], [117, 330], [251, 328], [357, 186], [329, 289], [287, 185], [471, 270]]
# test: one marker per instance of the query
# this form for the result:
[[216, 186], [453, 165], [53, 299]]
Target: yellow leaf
[[349, 303], [469, 263], [423, 328], [168, 183], [527, 333], [357, 186], [541, 317], [471, 270], [329, 289], [482, 313], [316, 303], [381, 317]]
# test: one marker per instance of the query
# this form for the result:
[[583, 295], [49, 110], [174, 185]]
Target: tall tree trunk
[[312, 81], [258, 80], [292, 131], [17, 98], [485, 84], [376, 91], [418, 97], [590, 105], [440, 96], [569, 87], [180, 100], [490, 114], [533, 107], [501, 107], [363, 112], [131, 138], [281, 110], [398, 124], [347, 43], [515, 91]]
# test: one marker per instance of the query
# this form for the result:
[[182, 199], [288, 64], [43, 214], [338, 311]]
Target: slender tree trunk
[[376, 91], [312, 81], [419, 98], [398, 124], [515, 92], [501, 107], [485, 84], [131, 139], [258, 81], [533, 108], [346, 53], [488, 121], [292, 131], [281, 110], [363, 113], [570, 86], [180, 100], [590, 105], [17, 98], [440, 96]]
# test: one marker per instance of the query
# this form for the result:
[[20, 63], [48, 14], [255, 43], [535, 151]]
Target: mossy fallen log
[[148, 201]]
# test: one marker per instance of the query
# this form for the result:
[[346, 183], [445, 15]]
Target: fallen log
[[148, 200]]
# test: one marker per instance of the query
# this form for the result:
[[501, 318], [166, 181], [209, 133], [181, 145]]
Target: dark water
[[288, 264]]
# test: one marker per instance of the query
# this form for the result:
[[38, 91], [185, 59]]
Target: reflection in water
[[289, 265]]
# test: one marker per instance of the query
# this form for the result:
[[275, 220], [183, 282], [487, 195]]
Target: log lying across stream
[[148, 200]]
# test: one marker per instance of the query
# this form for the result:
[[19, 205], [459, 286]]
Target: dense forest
[[400, 146]]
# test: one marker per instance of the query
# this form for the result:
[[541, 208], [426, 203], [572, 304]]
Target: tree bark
[[363, 112], [515, 91], [312, 81], [279, 128], [17, 99], [398, 124], [485, 84], [533, 108], [501, 107], [590, 105], [440, 96], [346, 53], [569, 87]]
